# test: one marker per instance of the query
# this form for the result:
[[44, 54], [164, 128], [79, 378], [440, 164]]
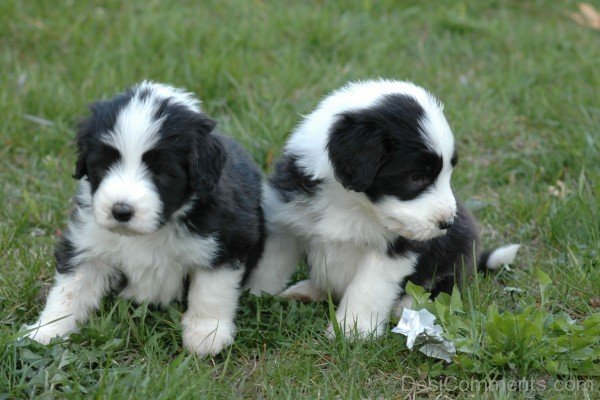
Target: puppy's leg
[[368, 300], [208, 323], [74, 295], [276, 266]]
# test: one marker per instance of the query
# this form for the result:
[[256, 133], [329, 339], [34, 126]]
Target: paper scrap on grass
[[420, 329]]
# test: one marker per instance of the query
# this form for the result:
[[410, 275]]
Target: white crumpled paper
[[420, 329]]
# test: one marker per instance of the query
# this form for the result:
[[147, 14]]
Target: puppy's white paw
[[304, 291], [207, 336], [44, 334]]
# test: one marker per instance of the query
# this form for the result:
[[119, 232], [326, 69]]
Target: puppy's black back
[[233, 210]]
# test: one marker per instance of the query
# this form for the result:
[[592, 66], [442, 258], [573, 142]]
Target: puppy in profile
[[162, 200], [363, 193]]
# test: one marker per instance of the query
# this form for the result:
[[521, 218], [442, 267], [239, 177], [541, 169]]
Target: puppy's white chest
[[157, 285], [156, 268], [155, 264]]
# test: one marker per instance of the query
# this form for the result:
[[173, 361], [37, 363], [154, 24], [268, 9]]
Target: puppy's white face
[[139, 152], [398, 151]]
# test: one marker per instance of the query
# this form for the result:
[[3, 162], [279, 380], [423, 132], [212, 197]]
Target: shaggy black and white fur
[[363, 192], [162, 200]]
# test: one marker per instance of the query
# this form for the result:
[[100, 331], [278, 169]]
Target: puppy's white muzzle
[[127, 204], [421, 219]]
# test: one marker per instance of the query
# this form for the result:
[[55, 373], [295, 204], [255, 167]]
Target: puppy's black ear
[[80, 140], [207, 158], [355, 150], [80, 167]]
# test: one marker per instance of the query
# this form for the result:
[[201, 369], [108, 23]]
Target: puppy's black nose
[[446, 224], [122, 212]]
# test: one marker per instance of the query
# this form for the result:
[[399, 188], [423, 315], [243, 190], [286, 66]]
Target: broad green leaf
[[441, 311], [419, 295]]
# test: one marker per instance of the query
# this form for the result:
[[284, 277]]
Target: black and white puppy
[[363, 192], [161, 200]]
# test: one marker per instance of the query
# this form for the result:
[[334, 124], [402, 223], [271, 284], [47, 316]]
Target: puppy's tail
[[492, 260]]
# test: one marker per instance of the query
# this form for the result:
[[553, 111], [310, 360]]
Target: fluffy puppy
[[363, 193], [162, 200]]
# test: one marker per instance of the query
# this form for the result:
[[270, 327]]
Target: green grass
[[520, 82]]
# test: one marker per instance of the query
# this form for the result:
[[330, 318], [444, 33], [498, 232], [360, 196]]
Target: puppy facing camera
[[163, 199], [363, 193]]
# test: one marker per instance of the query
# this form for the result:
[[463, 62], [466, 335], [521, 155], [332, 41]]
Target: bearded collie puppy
[[162, 200], [363, 193]]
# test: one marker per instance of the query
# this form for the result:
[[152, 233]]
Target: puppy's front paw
[[304, 291], [207, 336], [44, 334]]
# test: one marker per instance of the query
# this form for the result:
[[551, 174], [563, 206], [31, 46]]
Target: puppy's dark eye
[[418, 181], [99, 161], [418, 178], [152, 159], [111, 153]]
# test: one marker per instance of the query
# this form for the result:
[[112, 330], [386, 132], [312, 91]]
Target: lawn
[[520, 82]]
